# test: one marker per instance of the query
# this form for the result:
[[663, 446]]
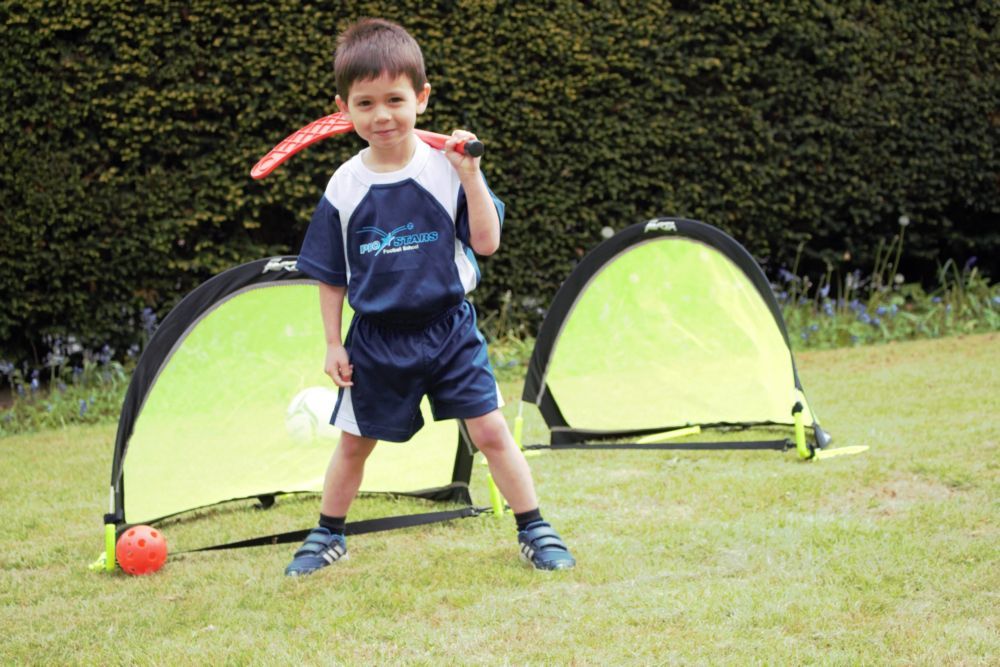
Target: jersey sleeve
[[322, 254], [462, 230]]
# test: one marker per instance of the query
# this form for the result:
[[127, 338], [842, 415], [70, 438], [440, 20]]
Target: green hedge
[[129, 130]]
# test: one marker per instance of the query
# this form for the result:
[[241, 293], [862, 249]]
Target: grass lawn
[[888, 557]]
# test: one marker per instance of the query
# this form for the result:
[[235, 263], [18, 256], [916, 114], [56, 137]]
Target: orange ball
[[141, 550]]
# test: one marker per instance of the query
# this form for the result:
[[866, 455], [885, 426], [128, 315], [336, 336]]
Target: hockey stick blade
[[337, 123]]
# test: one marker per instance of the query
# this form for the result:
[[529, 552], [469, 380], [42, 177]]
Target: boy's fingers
[[457, 137], [344, 374], [341, 375]]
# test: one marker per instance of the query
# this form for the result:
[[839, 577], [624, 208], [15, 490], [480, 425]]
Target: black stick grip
[[474, 148]]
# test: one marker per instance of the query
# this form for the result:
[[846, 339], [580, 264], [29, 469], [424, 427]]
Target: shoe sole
[[559, 566], [306, 573]]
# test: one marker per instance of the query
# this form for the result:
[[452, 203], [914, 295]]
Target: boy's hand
[[338, 366], [465, 165]]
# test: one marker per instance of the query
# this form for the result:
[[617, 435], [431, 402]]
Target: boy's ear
[[422, 97], [341, 104]]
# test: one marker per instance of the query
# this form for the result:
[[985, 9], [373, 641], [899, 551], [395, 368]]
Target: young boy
[[395, 232]]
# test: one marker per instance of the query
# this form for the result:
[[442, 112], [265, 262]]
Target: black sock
[[335, 524], [524, 518]]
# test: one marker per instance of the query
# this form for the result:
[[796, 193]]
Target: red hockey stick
[[337, 124]]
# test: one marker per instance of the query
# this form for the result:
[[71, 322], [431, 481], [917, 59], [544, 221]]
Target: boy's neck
[[393, 159]]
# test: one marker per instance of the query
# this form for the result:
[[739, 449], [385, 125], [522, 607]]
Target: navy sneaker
[[543, 548], [320, 549]]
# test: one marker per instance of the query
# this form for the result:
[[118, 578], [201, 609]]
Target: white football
[[308, 415]]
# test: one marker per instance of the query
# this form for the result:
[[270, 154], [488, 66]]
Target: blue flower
[[881, 310], [824, 291], [786, 275], [813, 327], [865, 317], [828, 308], [935, 299], [969, 263], [148, 318], [876, 321], [106, 353], [7, 368], [83, 407], [996, 300]]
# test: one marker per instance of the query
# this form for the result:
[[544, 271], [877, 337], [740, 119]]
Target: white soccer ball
[[308, 415]]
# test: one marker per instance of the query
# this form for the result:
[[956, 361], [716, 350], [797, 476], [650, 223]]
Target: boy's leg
[[344, 474], [540, 544], [506, 461]]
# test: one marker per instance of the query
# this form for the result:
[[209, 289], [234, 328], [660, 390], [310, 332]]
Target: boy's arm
[[331, 306], [484, 221]]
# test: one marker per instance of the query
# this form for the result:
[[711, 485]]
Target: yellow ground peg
[[496, 498], [98, 565], [840, 451], [519, 433], [669, 435], [805, 451], [106, 561], [110, 540]]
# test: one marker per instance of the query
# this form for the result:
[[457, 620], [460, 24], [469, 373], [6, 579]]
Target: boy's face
[[384, 111]]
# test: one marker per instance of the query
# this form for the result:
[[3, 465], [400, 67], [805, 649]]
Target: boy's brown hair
[[373, 47]]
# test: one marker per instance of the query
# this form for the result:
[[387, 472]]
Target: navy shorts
[[394, 368]]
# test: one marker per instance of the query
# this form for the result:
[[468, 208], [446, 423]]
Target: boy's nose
[[381, 114]]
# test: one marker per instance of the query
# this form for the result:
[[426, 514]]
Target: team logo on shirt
[[398, 240]]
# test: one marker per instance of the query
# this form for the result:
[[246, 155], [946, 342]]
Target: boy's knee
[[354, 446], [489, 433]]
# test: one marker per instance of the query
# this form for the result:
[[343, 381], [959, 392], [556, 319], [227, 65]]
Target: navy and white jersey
[[398, 240]]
